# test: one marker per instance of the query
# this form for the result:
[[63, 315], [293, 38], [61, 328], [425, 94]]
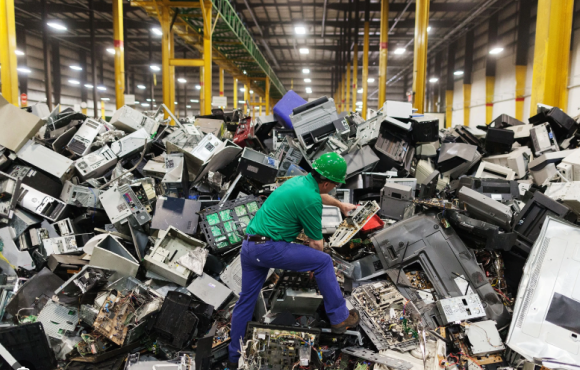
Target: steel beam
[[118, 42], [449, 85], [420, 55], [467, 76], [383, 53], [165, 57], [365, 69], [235, 93], [56, 82], [490, 66], [93, 56], [347, 88], [46, 54], [522, 45], [206, 9], [267, 95]]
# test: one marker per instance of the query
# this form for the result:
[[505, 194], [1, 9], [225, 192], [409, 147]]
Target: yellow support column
[[466, 103], [201, 94], [9, 75], [206, 9], [552, 54], [252, 101], [102, 109], [489, 90], [235, 93], [267, 95], [365, 71], [354, 76], [246, 96], [343, 88], [420, 55], [521, 72], [221, 72], [347, 87], [172, 73], [383, 51], [448, 107], [260, 112], [118, 42], [165, 55]]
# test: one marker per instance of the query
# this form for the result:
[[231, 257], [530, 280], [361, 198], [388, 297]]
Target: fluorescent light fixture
[[433, 79], [496, 50], [308, 90], [157, 31], [136, 102], [400, 51], [155, 68], [23, 70], [148, 99], [144, 104], [188, 106], [181, 80], [359, 103], [358, 109], [57, 26], [307, 80], [111, 51], [198, 87], [371, 80], [18, 52], [102, 88], [360, 91], [304, 51], [300, 30], [76, 68], [458, 73], [305, 71], [428, 29], [251, 91], [89, 86], [105, 99], [194, 101], [242, 89], [175, 103], [74, 82], [141, 87], [241, 101], [154, 105], [245, 72]]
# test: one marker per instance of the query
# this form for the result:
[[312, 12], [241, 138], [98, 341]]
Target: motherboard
[[353, 223], [386, 316]]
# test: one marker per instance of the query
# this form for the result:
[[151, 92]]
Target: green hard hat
[[332, 166]]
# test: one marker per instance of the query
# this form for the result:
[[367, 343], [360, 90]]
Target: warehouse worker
[[294, 206]]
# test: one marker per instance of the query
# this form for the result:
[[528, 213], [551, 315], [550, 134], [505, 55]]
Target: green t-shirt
[[294, 206]]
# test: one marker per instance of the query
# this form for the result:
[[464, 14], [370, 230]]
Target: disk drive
[[81, 142], [130, 120], [47, 160], [40, 203], [121, 203], [80, 196], [95, 164], [9, 189], [131, 144]]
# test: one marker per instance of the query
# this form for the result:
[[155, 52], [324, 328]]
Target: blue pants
[[257, 259]]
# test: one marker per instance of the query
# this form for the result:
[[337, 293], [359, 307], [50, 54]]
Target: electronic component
[[488, 170], [80, 196], [111, 254], [397, 201], [177, 212], [206, 148], [232, 275], [130, 120], [483, 338], [517, 160], [295, 292], [543, 139], [87, 280], [394, 150], [562, 124], [47, 160], [496, 189], [175, 179], [498, 141], [58, 319], [60, 245], [28, 344], [314, 119], [40, 203], [95, 164], [258, 166], [80, 144], [278, 347], [169, 248], [388, 361], [131, 144], [460, 308], [387, 317], [331, 219], [9, 192], [360, 160], [155, 168], [543, 168], [456, 159], [356, 219], [121, 202], [64, 227], [210, 290], [287, 156], [482, 234], [224, 225], [505, 121], [425, 130], [485, 208]]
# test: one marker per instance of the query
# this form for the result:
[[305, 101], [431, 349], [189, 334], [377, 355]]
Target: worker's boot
[[350, 322], [232, 365]]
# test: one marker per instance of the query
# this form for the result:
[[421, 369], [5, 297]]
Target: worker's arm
[[316, 244], [328, 200]]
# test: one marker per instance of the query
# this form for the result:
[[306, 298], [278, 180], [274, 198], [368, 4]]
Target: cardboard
[[17, 125]]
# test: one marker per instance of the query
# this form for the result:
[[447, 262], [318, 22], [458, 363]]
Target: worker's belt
[[258, 239]]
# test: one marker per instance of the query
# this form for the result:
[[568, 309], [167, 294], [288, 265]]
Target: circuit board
[[278, 348], [353, 223], [113, 318], [387, 317]]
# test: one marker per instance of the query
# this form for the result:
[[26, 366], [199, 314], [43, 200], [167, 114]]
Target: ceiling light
[[242, 89], [371, 80], [496, 50], [400, 51], [428, 29], [148, 99], [194, 101], [144, 104], [304, 50], [300, 30], [155, 68], [241, 101], [57, 26], [136, 102], [251, 91], [111, 51], [245, 72], [157, 31], [18, 52], [308, 90], [359, 103], [181, 80], [89, 86], [433, 80], [305, 71], [458, 73], [198, 87], [307, 80], [23, 70], [154, 105], [74, 82], [188, 106], [141, 87], [105, 99], [102, 88], [175, 103], [76, 68], [360, 91]]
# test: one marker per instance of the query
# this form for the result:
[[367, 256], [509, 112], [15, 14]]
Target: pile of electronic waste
[[120, 240]]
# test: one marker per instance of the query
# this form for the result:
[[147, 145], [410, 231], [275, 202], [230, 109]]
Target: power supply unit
[[81, 142], [95, 164]]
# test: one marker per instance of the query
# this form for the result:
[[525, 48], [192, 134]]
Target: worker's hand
[[345, 208], [317, 244]]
